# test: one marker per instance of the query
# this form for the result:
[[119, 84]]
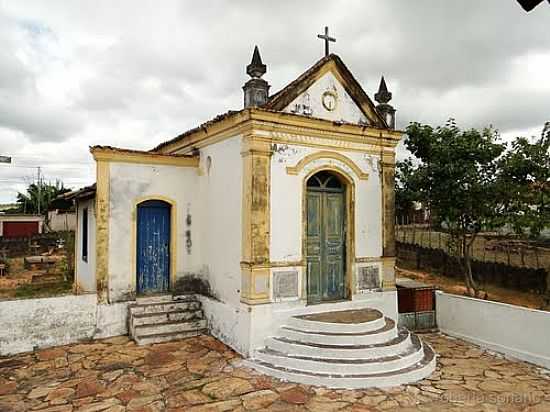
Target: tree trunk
[[471, 285]]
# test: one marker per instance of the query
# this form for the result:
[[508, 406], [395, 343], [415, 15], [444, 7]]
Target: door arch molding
[[349, 183], [173, 237]]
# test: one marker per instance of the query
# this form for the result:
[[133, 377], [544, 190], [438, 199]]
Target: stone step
[[384, 334], [396, 345], [345, 321], [169, 306], [411, 373], [413, 354], [144, 300], [167, 337], [162, 317], [168, 327]]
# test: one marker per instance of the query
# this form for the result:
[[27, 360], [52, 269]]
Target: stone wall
[[410, 256], [37, 323]]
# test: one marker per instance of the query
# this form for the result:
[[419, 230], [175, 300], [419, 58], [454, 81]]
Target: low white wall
[[37, 323], [516, 332]]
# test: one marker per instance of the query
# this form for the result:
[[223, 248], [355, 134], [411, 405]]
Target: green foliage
[[524, 172], [456, 176], [39, 196]]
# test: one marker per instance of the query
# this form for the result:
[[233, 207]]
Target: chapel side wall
[[220, 190], [85, 278], [132, 183]]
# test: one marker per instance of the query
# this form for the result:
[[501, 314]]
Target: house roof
[[83, 193], [287, 94]]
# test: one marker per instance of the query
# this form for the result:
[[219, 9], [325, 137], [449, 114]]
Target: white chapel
[[271, 227]]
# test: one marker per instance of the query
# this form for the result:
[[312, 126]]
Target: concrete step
[[167, 337], [161, 317], [417, 371], [346, 321], [169, 306], [384, 334], [295, 348], [169, 327], [413, 354]]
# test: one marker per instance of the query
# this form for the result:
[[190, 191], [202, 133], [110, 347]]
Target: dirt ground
[[456, 286], [22, 282]]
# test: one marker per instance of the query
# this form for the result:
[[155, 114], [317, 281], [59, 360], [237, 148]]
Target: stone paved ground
[[201, 374]]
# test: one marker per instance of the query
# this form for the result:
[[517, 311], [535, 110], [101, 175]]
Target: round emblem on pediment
[[329, 99]]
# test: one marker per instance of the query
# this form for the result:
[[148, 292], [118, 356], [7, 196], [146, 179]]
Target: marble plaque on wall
[[368, 277], [285, 284]]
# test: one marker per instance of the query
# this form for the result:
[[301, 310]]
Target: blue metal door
[[153, 247]]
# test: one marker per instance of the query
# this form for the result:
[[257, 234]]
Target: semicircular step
[[387, 332], [411, 373], [413, 354], [344, 321]]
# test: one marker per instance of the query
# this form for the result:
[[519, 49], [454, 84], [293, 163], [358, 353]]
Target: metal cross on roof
[[327, 39]]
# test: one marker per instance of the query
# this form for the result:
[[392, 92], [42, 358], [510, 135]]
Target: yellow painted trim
[[254, 119], [173, 238], [102, 229], [110, 155], [350, 226], [295, 170]]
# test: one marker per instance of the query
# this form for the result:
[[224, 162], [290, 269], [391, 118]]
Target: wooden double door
[[326, 238]]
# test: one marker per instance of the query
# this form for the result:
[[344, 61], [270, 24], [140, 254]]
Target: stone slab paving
[[202, 374]]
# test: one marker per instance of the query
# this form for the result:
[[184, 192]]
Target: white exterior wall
[[346, 109], [131, 183], [287, 196], [59, 222], [37, 323], [220, 194], [515, 331], [85, 269]]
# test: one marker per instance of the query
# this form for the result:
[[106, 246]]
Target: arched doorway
[[326, 237], [153, 247]]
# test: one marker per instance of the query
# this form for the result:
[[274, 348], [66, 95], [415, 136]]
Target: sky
[[135, 73]]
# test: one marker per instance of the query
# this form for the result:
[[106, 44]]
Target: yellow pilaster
[[388, 217], [256, 155], [102, 229]]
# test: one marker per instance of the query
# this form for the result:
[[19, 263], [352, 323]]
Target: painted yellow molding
[[252, 120], [295, 170], [173, 238], [102, 229], [123, 156], [256, 199]]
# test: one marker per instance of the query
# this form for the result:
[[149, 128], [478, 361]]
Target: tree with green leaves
[[456, 175], [524, 172], [39, 196]]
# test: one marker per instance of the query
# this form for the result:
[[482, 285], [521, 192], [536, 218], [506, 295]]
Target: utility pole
[[39, 189]]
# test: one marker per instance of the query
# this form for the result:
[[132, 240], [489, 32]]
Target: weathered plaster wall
[[131, 183], [85, 269], [287, 196], [517, 332], [220, 197], [346, 109], [37, 323]]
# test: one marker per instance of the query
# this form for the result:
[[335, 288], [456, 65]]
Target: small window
[[85, 234]]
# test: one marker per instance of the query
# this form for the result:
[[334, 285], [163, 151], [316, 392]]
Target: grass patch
[[30, 291]]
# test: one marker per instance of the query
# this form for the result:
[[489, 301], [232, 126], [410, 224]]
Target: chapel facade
[[283, 208]]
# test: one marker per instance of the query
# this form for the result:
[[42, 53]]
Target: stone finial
[[256, 68], [256, 90], [383, 96]]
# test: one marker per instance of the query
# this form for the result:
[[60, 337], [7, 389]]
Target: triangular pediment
[[329, 91]]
